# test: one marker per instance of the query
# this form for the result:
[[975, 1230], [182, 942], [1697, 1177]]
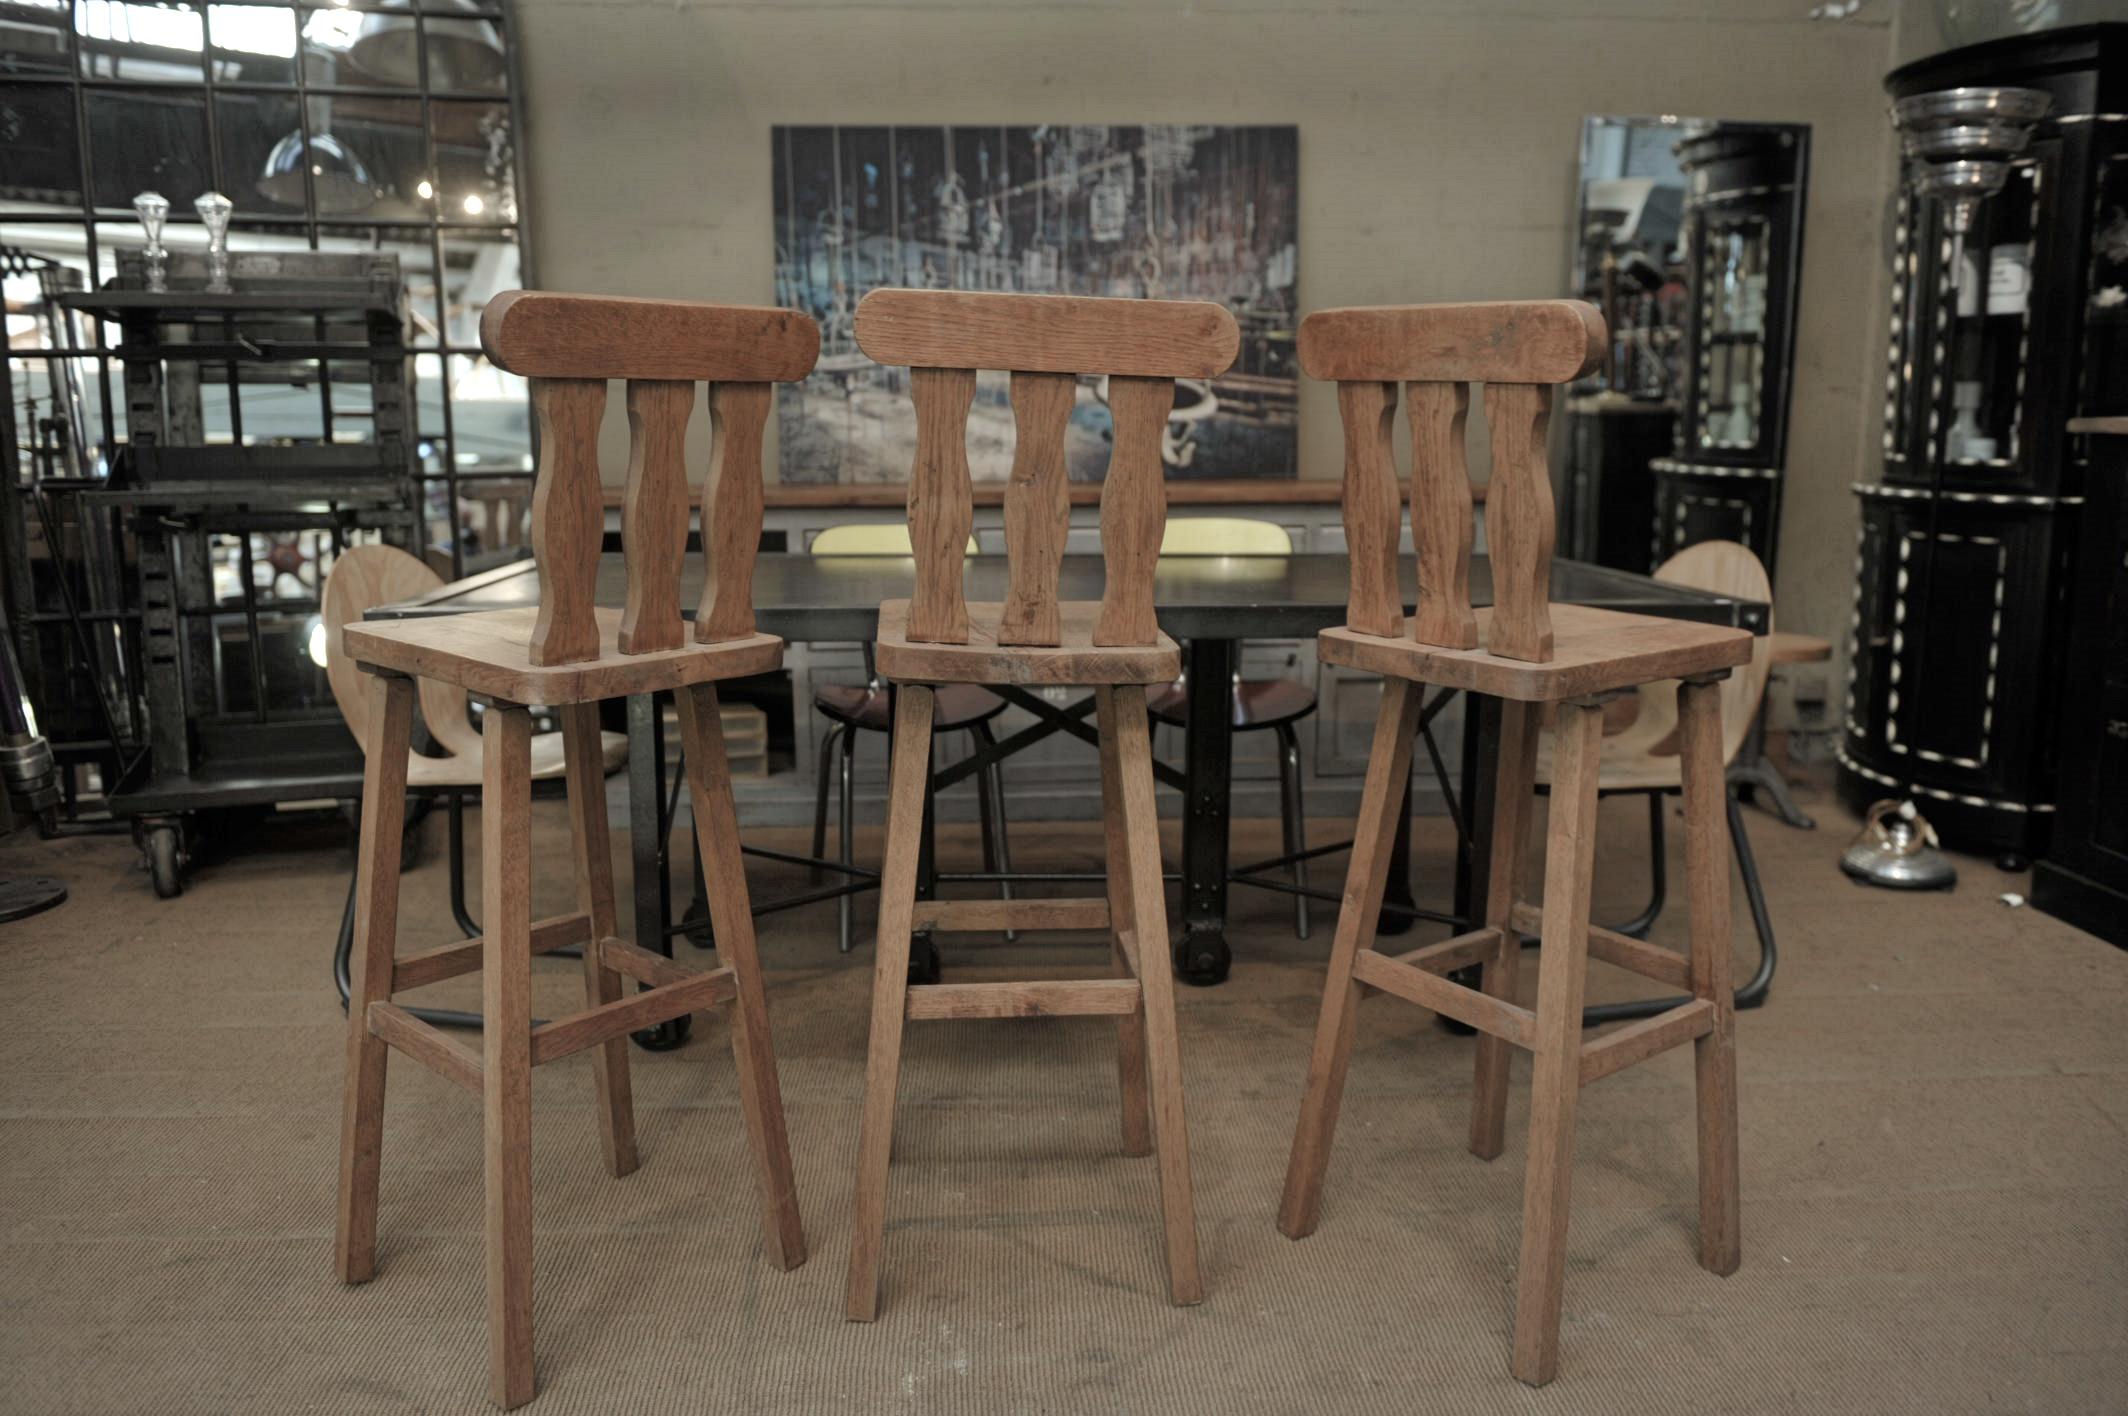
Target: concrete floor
[[1935, 1149]]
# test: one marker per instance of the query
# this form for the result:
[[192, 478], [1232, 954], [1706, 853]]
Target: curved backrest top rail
[[540, 334], [1519, 350], [1503, 341], [1046, 342], [571, 347], [1052, 334]]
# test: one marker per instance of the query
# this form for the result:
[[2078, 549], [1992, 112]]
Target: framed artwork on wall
[[1180, 212]]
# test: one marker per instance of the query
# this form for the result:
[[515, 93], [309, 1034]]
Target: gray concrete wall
[[1438, 143]]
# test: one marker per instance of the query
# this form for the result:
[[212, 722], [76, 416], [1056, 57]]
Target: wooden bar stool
[[567, 654], [1115, 647], [1534, 653]]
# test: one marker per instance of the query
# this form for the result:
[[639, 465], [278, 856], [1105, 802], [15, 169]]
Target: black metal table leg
[[1396, 890], [1474, 849], [1201, 953], [648, 852]]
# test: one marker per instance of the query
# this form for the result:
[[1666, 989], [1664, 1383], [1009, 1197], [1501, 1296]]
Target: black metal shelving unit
[[235, 718]]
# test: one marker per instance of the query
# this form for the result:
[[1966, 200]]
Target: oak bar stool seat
[[568, 655], [1528, 653], [935, 638]]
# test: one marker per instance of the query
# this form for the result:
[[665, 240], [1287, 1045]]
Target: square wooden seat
[[1073, 659], [1593, 651], [490, 653]]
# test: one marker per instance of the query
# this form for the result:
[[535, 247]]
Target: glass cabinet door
[[1983, 329], [1734, 258]]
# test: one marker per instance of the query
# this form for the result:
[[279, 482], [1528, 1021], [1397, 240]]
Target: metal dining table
[[1211, 604]]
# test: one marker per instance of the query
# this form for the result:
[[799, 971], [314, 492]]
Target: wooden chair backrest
[[1045, 342], [569, 346], [1727, 568], [1518, 350]]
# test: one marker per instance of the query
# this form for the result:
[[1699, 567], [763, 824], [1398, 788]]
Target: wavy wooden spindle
[[568, 519], [654, 513], [1442, 522], [941, 503], [1374, 507], [1037, 507], [731, 510], [1519, 522], [1133, 509]]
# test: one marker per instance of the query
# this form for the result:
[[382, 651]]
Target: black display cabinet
[[2084, 878], [1743, 241], [1966, 550]]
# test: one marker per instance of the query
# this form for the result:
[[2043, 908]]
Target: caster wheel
[[665, 1036], [925, 963], [1202, 960], [1390, 923], [2012, 862], [164, 861]]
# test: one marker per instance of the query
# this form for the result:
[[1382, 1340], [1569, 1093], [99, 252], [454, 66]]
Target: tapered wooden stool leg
[[506, 1036], [1132, 751], [586, 771], [1714, 1055], [911, 774], [1373, 838], [1555, 1083], [391, 717], [731, 917], [1130, 1031], [1512, 795]]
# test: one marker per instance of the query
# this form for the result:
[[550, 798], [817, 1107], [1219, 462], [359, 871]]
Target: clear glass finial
[[153, 208], [214, 209]]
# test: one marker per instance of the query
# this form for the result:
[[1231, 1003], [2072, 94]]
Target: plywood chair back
[[570, 347], [1727, 568], [362, 578], [1519, 350], [1045, 342]]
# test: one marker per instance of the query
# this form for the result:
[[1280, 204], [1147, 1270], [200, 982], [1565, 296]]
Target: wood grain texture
[[390, 704], [1074, 998], [972, 916], [506, 1038], [940, 511], [1443, 524], [910, 774], [432, 1047], [1444, 955], [1373, 507], [1130, 1032], [1133, 510], [1132, 749], [1648, 1037], [1056, 334], [1555, 1066], [731, 916], [1300, 1204], [538, 334], [1707, 850], [592, 846], [1595, 651], [731, 511], [604, 1025], [568, 519], [1519, 522], [1513, 805], [1450, 999], [462, 956], [1510, 341], [1650, 961], [1037, 506], [654, 513], [1074, 660], [488, 652]]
